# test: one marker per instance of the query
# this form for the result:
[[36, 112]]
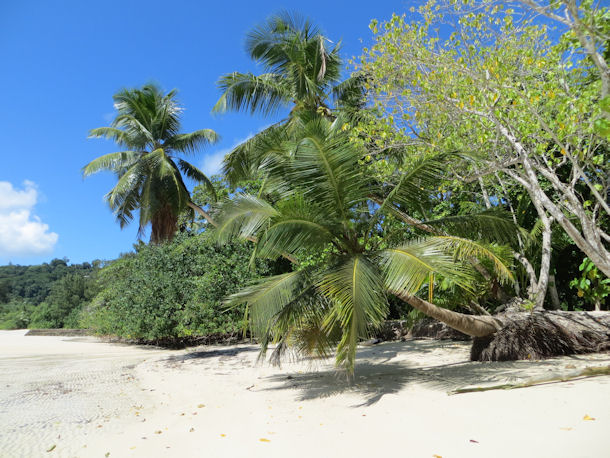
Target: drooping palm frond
[[245, 91], [299, 224], [195, 174], [418, 184], [491, 225], [266, 298], [192, 142], [111, 162], [465, 250], [359, 304], [408, 267], [243, 216], [245, 160], [119, 136]]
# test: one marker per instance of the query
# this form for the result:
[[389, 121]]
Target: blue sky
[[62, 62]]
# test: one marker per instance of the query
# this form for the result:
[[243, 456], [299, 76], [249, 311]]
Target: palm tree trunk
[[472, 325], [203, 213]]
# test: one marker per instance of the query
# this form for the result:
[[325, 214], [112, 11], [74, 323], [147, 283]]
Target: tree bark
[[472, 325]]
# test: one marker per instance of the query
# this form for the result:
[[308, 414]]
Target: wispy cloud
[[21, 232], [212, 163]]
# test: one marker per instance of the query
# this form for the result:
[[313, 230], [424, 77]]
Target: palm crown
[[323, 205], [302, 73], [149, 171]]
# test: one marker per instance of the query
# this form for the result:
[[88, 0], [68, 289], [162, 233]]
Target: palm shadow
[[377, 374]]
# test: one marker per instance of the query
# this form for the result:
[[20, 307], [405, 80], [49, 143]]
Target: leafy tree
[[149, 171], [499, 91], [326, 216]]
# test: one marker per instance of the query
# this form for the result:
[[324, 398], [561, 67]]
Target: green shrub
[[172, 290]]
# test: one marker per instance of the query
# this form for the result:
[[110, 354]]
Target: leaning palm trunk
[[472, 325], [524, 335]]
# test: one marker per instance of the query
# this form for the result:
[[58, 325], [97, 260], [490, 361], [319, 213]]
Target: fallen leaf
[[191, 430], [158, 431], [200, 406], [566, 429], [262, 439], [107, 454], [436, 456], [132, 448], [51, 448], [587, 417], [223, 435]]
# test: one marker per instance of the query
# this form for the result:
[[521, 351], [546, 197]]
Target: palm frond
[[492, 225], [243, 216], [245, 91], [418, 184], [195, 174], [110, 133], [266, 298], [300, 225], [408, 267], [357, 293], [111, 162], [190, 143], [465, 250]]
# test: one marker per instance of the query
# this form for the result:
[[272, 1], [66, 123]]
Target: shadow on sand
[[377, 375]]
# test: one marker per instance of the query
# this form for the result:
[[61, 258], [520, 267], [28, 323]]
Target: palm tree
[[149, 174], [301, 73], [325, 214]]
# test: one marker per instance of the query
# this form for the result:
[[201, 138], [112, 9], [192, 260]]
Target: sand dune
[[80, 397]]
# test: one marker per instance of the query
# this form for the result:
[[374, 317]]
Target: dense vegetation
[[173, 290], [446, 176], [47, 295]]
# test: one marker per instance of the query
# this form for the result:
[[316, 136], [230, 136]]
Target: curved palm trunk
[[203, 213], [472, 325]]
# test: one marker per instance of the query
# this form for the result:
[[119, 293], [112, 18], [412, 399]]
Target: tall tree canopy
[[149, 170]]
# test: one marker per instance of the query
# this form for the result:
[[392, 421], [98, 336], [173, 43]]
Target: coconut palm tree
[[149, 171], [329, 214], [302, 73]]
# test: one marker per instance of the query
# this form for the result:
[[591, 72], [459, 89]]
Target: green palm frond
[[465, 250], [111, 133], [266, 298], [419, 183], [111, 162], [195, 174], [244, 161], [359, 304], [409, 266], [299, 225], [325, 167], [191, 142], [243, 216], [492, 225], [245, 91]]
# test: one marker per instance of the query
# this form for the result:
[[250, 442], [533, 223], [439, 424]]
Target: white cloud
[[212, 163], [21, 232]]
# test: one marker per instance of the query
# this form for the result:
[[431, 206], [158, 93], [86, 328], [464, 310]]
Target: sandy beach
[[80, 397]]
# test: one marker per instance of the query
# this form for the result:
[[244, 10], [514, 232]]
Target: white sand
[[87, 398]]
